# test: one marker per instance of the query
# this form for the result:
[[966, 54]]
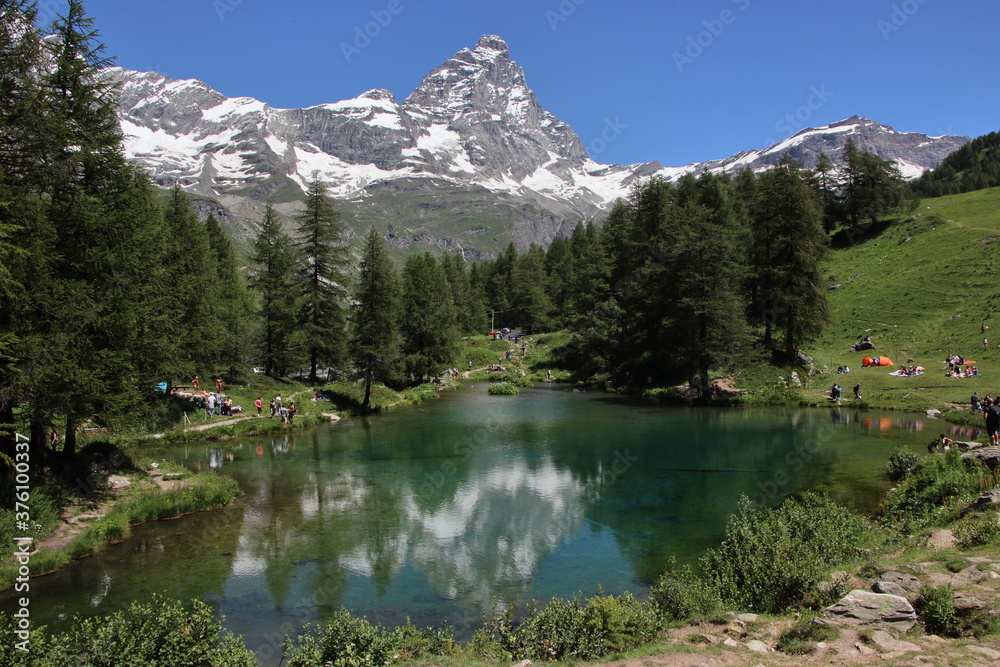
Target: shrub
[[936, 607], [901, 462], [772, 559], [680, 594], [977, 531], [932, 482], [801, 638], [567, 629], [162, 632], [343, 641], [503, 389]]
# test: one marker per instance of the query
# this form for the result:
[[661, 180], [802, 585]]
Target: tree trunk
[[69, 443], [368, 395]]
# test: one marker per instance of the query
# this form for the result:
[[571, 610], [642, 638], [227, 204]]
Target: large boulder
[[990, 456], [875, 609]]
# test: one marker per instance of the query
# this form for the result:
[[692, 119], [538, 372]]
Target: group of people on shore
[[277, 409], [836, 391]]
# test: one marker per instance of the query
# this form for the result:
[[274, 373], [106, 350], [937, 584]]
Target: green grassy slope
[[921, 288]]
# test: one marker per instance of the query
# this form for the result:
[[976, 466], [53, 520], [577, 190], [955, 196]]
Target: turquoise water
[[431, 513]]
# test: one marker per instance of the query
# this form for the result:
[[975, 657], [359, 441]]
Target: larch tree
[[274, 260], [375, 338], [788, 247], [322, 243]]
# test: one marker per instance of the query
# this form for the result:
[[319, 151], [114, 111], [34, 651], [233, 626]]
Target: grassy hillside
[[921, 288]]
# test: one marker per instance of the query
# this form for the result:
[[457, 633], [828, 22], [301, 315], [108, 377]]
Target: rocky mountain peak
[[378, 94]]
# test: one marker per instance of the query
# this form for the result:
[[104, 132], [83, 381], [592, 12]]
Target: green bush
[[343, 641], [567, 629], [936, 608], [503, 389], [801, 638], [931, 483], [414, 643], [772, 559], [162, 632], [977, 531], [680, 594], [901, 462]]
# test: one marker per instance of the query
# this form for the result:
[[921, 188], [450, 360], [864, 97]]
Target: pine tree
[[429, 332], [375, 339], [192, 288], [528, 291], [787, 251], [234, 301], [274, 258], [827, 186], [323, 247], [701, 314], [469, 304], [872, 186]]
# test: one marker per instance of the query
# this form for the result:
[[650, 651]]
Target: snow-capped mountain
[[479, 161]]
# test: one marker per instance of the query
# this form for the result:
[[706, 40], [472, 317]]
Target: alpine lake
[[437, 513]]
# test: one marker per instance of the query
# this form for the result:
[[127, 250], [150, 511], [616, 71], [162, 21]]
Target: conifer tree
[[192, 287], [469, 305], [699, 276], [528, 290], [787, 250], [428, 317], [375, 339], [322, 243], [274, 259], [872, 185], [234, 301]]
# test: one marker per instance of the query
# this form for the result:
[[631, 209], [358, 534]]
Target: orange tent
[[877, 361]]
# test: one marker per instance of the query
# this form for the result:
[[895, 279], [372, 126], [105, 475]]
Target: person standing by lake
[[991, 413], [259, 404], [857, 392]]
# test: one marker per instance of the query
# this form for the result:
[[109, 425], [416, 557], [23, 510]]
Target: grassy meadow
[[921, 287]]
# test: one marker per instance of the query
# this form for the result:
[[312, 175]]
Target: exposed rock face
[[878, 609]]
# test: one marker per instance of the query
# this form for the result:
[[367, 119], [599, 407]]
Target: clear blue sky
[[681, 81]]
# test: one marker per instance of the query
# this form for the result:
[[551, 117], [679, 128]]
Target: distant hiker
[[986, 343], [218, 385], [857, 392], [470, 365], [210, 405], [976, 405], [195, 383], [291, 412], [835, 391], [273, 409], [259, 404]]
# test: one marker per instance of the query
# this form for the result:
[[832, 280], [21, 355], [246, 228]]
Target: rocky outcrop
[[989, 456], [876, 609]]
